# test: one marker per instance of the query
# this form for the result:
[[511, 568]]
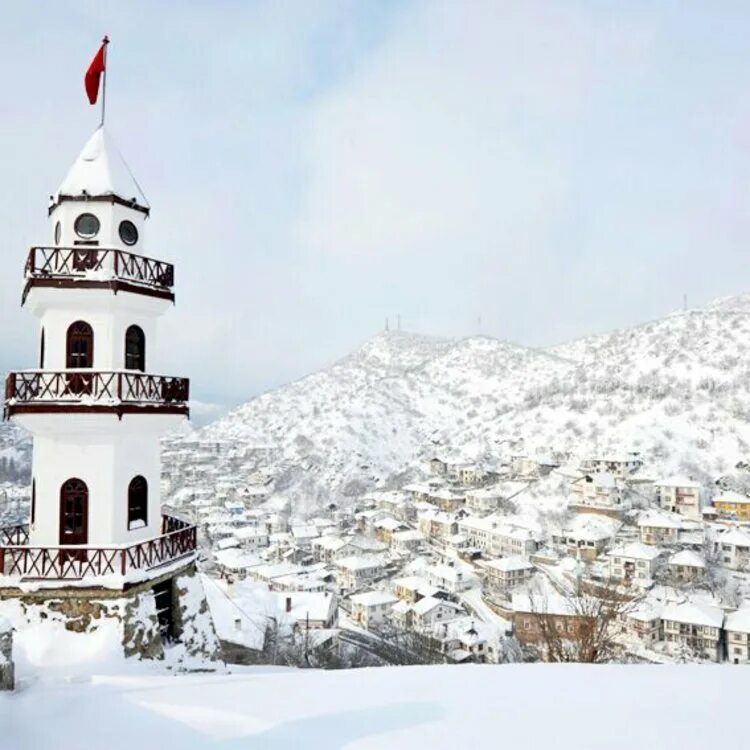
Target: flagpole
[[105, 42]]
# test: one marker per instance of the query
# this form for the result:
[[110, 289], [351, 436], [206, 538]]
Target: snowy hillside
[[675, 389]]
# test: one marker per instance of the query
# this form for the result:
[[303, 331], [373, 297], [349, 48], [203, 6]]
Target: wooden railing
[[14, 535], [97, 264], [91, 387], [72, 562]]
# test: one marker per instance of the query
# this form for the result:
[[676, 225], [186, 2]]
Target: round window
[[87, 226], [128, 232], [57, 233]]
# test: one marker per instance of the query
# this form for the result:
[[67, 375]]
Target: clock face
[[87, 226], [128, 232]]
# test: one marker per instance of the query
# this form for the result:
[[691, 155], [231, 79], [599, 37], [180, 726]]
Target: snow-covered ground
[[521, 706]]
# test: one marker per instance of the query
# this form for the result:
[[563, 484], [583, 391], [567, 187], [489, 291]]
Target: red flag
[[94, 73]]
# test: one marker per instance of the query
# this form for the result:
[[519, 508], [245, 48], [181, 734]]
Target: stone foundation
[[131, 612], [7, 676]]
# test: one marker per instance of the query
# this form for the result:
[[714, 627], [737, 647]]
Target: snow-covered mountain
[[676, 390]]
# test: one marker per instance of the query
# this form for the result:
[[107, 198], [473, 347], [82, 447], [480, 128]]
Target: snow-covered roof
[[236, 559], [445, 572], [739, 621], [733, 536], [636, 550], [101, 170], [694, 613], [507, 564], [410, 583], [645, 612], [655, 519], [373, 598], [590, 527], [428, 603], [687, 558], [250, 532], [316, 605], [678, 481], [359, 562], [730, 496]]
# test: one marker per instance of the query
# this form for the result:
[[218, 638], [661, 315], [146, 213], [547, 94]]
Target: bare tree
[[581, 622]]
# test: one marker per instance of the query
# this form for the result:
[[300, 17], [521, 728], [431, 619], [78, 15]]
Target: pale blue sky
[[313, 167]]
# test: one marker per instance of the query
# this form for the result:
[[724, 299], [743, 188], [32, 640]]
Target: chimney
[[289, 604]]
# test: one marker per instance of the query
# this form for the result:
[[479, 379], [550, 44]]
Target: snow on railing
[[97, 264], [72, 562]]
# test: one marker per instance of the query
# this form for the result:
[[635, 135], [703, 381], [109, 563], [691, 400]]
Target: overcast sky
[[313, 167]]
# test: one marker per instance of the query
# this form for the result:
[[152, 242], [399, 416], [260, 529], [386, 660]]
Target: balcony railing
[[178, 540], [94, 266], [87, 390]]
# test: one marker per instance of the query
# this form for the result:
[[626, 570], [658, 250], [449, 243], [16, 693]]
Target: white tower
[[97, 404]]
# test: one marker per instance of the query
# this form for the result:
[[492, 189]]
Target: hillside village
[[433, 500], [476, 560]]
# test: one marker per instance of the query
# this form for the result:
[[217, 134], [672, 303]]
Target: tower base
[[165, 618]]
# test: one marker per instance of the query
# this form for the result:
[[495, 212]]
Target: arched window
[[137, 503], [80, 346], [33, 501], [41, 351], [74, 512], [135, 349]]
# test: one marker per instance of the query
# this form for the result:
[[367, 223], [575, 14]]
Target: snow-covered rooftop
[[694, 613], [373, 598], [739, 621]]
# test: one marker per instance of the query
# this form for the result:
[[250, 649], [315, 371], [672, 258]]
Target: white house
[[406, 541], [620, 466], [508, 572], [437, 523], [252, 538], [487, 499], [656, 527], [327, 548], [644, 623], [356, 571], [633, 562], [497, 537], [371, 609], [603, 490], [732, 548], [679, 495], [412, 588], [737, 627], [693, 627], [451, 577], [687, 566], [585, 536], [429, 611]]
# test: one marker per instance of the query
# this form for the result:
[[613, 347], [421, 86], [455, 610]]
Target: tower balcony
[[97, 268], [120, 565], [92, 392]]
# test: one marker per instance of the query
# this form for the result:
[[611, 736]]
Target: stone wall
[[133, 612], [7, 677]]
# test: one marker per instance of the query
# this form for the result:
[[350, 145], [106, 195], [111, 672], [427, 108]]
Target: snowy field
[[522, 706]]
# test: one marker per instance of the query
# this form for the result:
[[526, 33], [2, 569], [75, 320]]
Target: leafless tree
[[581, 623]]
